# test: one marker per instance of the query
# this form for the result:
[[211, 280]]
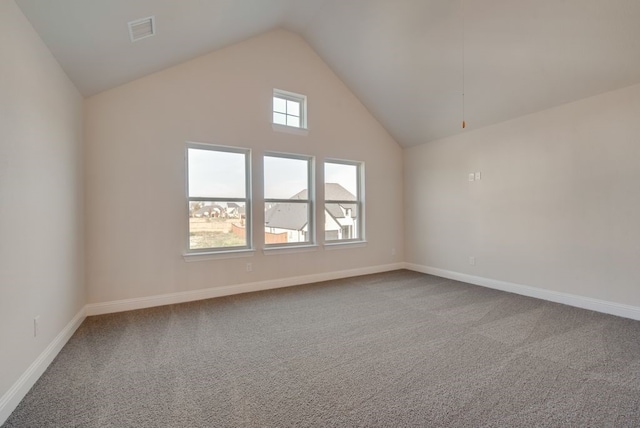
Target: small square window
[[289, 109]]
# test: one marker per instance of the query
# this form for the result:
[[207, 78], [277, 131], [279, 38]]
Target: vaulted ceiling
[[402, 58]]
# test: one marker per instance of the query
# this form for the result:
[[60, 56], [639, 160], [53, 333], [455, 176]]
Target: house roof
[[208, 209], [339, 210], [335, 192], [332, 192], [294, 216], [404, 59]]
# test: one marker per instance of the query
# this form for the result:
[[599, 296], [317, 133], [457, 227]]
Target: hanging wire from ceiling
[[464, 123]]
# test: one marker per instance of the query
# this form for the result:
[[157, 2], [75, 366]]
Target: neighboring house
[[340, 221], [292, 218], [232, 210], [235, 211], [209, 211], [289, 218]]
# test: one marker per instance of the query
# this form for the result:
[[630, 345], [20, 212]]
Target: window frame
[[310, 201], [359, 202], [290, 96], [247, 200]]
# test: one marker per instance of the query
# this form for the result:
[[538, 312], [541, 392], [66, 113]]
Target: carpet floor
[[396, 349]]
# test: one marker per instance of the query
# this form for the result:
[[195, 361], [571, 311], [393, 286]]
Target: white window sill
[[270, 251], [344, 245], [217, 255], [290, 129]]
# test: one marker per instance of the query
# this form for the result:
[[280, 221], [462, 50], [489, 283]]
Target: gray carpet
[[396, 349]]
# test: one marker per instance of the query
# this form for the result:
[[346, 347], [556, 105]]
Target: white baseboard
[[10, 400], [597, 305], [208, 293]]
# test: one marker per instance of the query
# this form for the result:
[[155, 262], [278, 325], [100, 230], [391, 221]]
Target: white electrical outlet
[[478, 176], [472, 176], [36, 326], [472, 261], [249, 267]]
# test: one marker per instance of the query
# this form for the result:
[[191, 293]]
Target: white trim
[[337, 245], [290, 129], [10, 400], [233, 254], [290, 249], [208, 293], [612, 308]]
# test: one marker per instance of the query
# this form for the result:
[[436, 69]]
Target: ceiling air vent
[[142, 28]]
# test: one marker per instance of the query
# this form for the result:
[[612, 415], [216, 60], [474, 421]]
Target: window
[[289, 109], [218, 197], [288, 200], [343, 201]]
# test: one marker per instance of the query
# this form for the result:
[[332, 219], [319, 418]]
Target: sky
[[284, 177], [345, 175], [216, 174], [221, 175]]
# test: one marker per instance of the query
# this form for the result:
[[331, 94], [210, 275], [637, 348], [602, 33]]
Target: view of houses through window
[[343, 201], [288, 215], [219, 199]]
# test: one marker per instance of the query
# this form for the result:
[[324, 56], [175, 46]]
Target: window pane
[[217, 225], [293, 108], [216, 174], [341, 221], [341, 182], [285, 178], [279, 119], [286, 222], [279, 105], [293, 121]]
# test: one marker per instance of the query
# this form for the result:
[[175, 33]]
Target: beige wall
[[40, 196], [135, 168], [557, 207]]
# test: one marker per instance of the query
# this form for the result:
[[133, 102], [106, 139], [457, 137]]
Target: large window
[[289, 109], [343, 201], [219, 198], [288, 200]]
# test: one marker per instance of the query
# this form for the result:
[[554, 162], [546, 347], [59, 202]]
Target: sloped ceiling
[[402, 58]]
